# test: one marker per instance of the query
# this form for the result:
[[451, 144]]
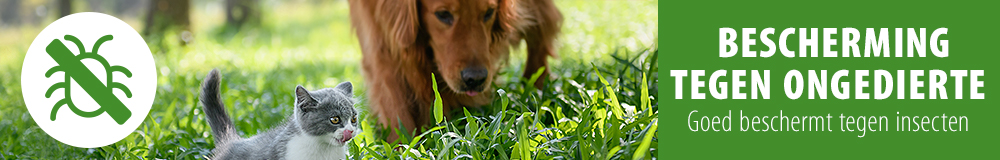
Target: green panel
[[691, 42]]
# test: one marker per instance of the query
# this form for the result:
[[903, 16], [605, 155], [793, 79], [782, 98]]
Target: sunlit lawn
[[311, 44]]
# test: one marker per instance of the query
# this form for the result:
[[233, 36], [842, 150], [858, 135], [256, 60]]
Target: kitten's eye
[[445, 17], [488, 16], [354, 120], [335, 120]]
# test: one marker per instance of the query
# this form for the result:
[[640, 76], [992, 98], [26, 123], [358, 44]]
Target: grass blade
[[438, 107], [646, 140], [616, 107], [644, 93], [534, 77]]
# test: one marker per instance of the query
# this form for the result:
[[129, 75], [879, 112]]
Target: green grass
[[600, 106]]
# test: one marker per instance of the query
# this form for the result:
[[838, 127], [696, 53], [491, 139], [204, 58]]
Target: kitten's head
[[327, 113]]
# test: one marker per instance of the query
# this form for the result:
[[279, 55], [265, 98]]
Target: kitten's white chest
[[313, 147]]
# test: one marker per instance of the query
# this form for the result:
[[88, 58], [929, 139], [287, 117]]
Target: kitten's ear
[[302, 95], [346, 87]]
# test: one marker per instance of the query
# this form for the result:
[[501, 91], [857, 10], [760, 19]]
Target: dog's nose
[[473, 77]]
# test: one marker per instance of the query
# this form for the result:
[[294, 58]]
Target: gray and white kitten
[[323, 122]]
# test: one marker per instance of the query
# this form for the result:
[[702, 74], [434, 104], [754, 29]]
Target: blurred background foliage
[[266, 47]]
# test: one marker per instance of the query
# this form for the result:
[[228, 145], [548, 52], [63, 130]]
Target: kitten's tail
[[215, 110]]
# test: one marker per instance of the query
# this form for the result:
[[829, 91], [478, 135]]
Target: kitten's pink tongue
[[471, 93], [347, 136]]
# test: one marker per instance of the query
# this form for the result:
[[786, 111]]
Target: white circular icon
[[88, 79]]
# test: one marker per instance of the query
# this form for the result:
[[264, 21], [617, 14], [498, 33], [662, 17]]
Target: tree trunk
[[10, 12], [65, 8]]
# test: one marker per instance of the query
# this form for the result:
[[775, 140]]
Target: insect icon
[[74, 69]]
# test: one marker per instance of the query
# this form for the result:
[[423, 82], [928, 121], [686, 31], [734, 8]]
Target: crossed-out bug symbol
[[72, 66]]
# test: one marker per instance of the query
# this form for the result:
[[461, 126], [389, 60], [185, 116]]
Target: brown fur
[[403, 42]]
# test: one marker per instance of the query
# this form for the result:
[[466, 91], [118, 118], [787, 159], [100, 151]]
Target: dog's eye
[[445, 17], [335, 120], [488, 16]]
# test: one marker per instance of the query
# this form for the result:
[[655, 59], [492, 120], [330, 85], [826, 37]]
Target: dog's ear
[[398, 18], [508, 19]]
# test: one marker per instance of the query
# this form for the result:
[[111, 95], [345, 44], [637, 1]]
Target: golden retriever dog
[[463, 42]]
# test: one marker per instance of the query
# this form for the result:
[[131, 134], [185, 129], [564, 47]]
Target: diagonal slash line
[[88, 81]]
